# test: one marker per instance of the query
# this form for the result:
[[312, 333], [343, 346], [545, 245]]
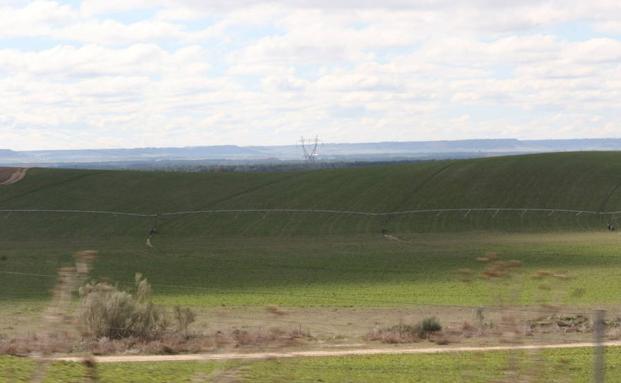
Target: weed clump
[[405, 333], [184, 317], [272, 336], [273, 309], [105, 311], [401, 333]]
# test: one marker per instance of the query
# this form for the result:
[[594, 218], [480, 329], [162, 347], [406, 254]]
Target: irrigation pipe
[[312, 211]]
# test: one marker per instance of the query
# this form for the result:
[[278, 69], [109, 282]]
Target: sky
[[147, 73]]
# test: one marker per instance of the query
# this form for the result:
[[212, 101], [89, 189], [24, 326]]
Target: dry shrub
[[175, 344], [167, 343], [405, 333], [400, 333], [26, 345], [108, 312], [562, 323], [184, 317], [272, 336], [441, 340], [468, 330], [273, 309]]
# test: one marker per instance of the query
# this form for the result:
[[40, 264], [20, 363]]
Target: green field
[[549, 366], [582, 181], [321, 259], [360, 270]]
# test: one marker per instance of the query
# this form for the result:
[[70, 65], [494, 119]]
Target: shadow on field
[[353, 270]]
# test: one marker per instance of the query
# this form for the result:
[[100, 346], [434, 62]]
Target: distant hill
[[8, 155], [207, 152], [329, 152], [576, 181]]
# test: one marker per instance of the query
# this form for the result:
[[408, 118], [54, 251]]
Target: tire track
[[229, 197], [602, 206], [50, 185], [408, 197], [17, 175]]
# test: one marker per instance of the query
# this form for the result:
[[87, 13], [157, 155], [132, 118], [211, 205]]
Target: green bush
[[430, 325], [108, 312]]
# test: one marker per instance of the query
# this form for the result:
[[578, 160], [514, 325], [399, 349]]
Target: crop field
[[359, 271], [570, 365], [328, 199]]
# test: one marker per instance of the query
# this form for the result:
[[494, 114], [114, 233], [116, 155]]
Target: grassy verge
[[21, 370], [569, 365], [548, 366]]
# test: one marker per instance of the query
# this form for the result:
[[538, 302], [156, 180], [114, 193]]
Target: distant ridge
[[375, 151], [7, 154]]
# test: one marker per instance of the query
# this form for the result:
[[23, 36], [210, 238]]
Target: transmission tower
[[310, 149]]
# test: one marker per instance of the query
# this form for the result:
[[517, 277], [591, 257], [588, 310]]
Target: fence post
[[598, 350]]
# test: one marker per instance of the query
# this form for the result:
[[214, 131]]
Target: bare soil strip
[[321, 353], [9, 176], [5, 173]]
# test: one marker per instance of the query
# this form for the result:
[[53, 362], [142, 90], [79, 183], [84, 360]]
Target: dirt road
[[328, 353], [10, 176]]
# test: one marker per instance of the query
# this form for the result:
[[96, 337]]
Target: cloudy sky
[[132, 73]]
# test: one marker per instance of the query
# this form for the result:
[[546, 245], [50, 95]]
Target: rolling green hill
[[284, 257], [575, 181]]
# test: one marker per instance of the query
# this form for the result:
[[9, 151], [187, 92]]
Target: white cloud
[[190, 72], [36, 18], [103, 7]]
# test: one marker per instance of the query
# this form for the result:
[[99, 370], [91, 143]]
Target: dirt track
[[321, 353], [10, 176]]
